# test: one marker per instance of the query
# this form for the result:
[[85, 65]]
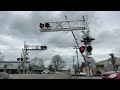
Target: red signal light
[[82, 49], [41, 25]]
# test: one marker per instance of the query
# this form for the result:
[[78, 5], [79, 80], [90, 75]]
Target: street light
[[112, 54]]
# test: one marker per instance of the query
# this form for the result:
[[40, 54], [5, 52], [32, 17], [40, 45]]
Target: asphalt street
[[50, 76]]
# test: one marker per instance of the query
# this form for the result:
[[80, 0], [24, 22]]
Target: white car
[[46, 72], [82, 73], [57, 73]]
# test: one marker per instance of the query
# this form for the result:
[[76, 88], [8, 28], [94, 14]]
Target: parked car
[[111, 75], [4, 75], [46, 72], [57, 72], [82, 73]]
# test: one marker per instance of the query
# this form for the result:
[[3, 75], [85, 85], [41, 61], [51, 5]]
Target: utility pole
[[24, 58], [73, 61], [74, 68], [87, 42]]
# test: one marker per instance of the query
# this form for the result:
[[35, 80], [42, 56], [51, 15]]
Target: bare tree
[[51, 68], [37, 61], [1, 57], [57, 62]]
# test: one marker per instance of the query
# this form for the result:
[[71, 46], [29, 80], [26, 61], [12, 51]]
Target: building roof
[[108, 61], [36, 67]]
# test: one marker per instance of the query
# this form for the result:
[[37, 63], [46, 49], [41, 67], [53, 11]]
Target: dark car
[[4, 75], [111, 75]]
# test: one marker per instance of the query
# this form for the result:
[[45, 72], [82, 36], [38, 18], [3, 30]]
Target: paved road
[[49, 76], [84, 77], [39, 76]]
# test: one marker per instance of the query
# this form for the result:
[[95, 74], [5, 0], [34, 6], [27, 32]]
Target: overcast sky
[[19, 26]]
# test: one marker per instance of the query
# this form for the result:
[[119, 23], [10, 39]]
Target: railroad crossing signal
[[20, 59], [35, 47], [62, 26], [43, 47], [67, 25], [30, 47], [87, 40], [70, 26]]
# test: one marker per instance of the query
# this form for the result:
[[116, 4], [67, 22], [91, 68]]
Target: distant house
[[12, 67], [106, 65], [35, 69]]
